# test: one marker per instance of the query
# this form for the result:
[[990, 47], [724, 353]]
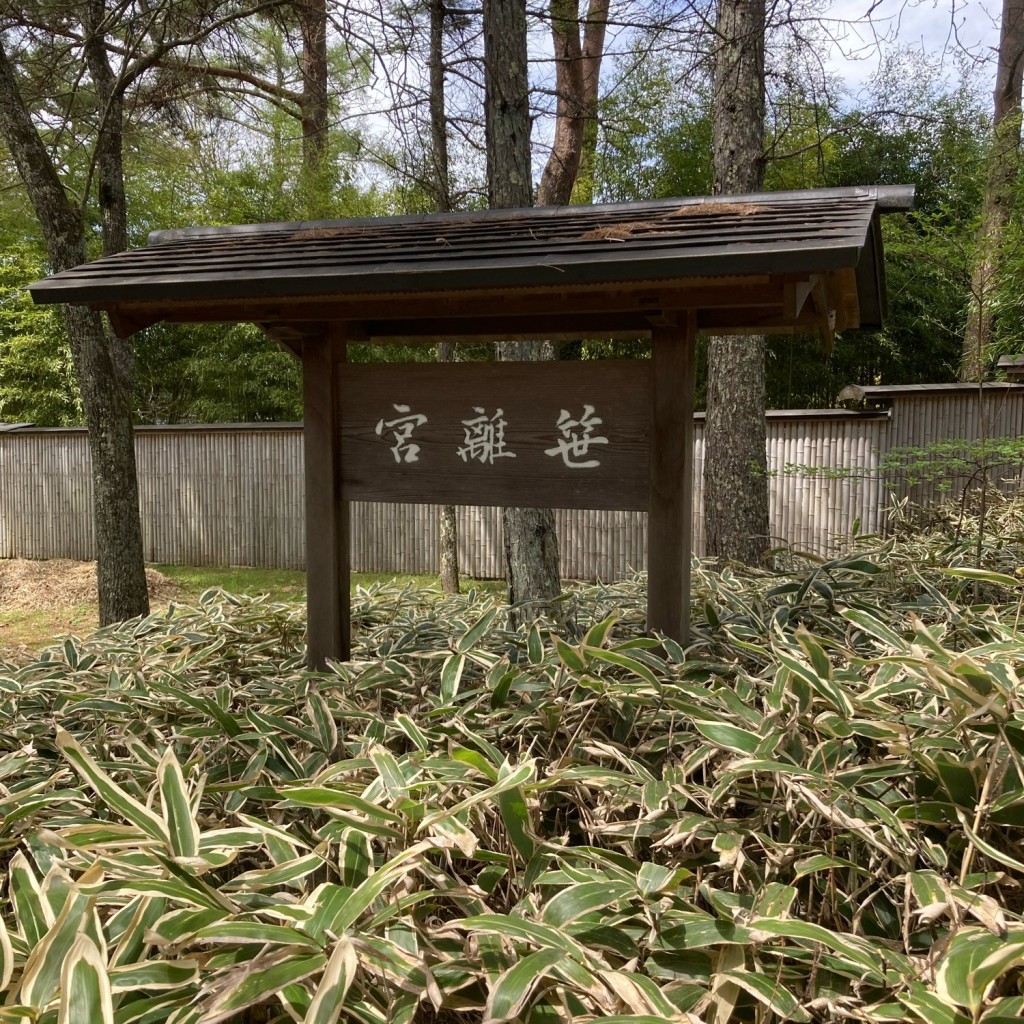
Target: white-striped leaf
[[84, 986]]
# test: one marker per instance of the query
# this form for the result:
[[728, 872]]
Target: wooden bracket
[[794, 295], [125, 324]]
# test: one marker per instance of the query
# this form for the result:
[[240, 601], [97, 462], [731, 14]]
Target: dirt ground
[[47, 599]]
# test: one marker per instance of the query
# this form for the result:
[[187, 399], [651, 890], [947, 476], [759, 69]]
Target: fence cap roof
[[628, 245]]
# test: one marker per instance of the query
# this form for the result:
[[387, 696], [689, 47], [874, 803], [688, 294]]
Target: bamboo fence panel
[[233, 495], [923, 418]]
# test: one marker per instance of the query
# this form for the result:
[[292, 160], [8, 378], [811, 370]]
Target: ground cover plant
[[815, 813]]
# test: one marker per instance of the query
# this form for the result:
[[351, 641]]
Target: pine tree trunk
[[448, 527], [103, 364], [1003, 164], [313, 106], [735, 468], [447, 524], [531, 543]]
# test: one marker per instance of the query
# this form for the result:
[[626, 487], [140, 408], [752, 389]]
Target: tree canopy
[[213, 134]]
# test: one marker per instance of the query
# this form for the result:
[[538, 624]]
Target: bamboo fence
[[233, 495]]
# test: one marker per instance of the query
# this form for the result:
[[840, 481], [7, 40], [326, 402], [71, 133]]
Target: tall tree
[[579, 47], [531, 543], [735, 469], [313, 103], [103, 363], [448, 528], [1003, 170]]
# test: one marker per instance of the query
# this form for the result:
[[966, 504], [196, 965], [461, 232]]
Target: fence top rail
[[293, 428], [164, 428]]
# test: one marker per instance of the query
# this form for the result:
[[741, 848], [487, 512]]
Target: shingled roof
[[821, 231]]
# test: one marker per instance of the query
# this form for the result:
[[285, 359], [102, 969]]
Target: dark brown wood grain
[[532, 397], [327, 526], [669, 533]]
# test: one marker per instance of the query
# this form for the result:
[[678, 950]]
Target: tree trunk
[[735, 468], [438, 119], [103, 364], [448, 527], [109, 160], [313, 105], [577, 76], [531, 544], [506, 105], [1003, 165]]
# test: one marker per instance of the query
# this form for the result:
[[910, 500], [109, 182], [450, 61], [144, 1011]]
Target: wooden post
[[327, 536], [669, 536]]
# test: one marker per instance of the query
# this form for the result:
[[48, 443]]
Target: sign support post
[[669, 530], [327, 524]]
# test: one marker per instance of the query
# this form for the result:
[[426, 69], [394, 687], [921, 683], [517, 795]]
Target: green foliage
[[910, 127], [817, 806], [36, 374], [956, 462]]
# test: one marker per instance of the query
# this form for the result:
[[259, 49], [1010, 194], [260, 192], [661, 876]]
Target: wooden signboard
[[548, 435], [601, 435]]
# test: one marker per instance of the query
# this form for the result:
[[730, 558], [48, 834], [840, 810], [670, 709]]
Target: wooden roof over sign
[[782, 261]]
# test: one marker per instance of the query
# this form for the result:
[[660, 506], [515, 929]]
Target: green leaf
[[84, 987], [451, 673], [569, 656], [338, 975], [6, 957], [133, 939], [510, 927], [974, 959], [513, 989], [770, 992], [32, 913], [41, 977], [730, 737], [322, 719], [260, 982], [181, 824], [516, 778], [154, 975], [982, 575], [861, 956], [929, 1007], [472, 636], [584, 898], [390, 772], [534, 646], [108, 791]]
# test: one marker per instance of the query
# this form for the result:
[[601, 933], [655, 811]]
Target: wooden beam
[[669, 531], [327, 528], [825, 316], [644, 296], [507, 328]]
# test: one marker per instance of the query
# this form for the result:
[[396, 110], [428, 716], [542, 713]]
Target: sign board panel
[[548, 434]]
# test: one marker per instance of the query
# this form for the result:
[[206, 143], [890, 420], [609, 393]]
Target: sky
[[939, 28]]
